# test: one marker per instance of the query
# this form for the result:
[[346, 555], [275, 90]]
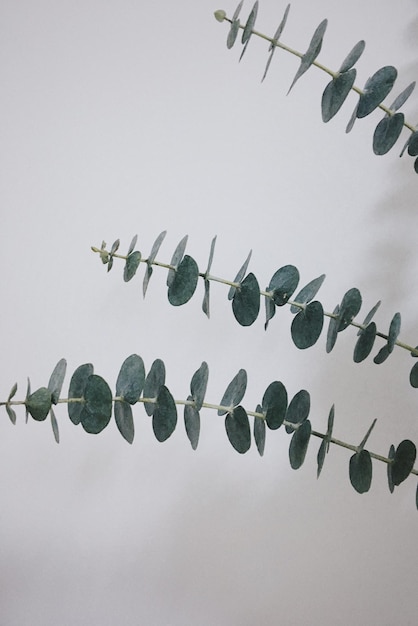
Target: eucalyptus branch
[[371, 96], [245, 293], [91, 403]]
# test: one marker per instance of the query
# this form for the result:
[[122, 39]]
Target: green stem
[[300, 55], [228, 409], [267, 294]]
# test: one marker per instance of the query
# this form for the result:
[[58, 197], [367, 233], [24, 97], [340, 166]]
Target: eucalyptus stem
[[327, 70], [266, 294], [228, 409]]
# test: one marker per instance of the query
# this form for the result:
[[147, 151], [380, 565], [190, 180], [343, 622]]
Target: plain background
[[123, 117]]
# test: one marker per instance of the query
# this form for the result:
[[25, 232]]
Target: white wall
[[130, 117]]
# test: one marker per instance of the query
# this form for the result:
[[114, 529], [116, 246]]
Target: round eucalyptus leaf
[[164, 418], [332, 333], [247, 32], [387, 133], [312, 52], [365, 343], [403, 97], [206, 299], [307, 325], [391, 456], [299, 444], [153, 383], [56, 380], [131, 265], [376, 89], [369, 316], [184, 283], [307, 293], [234, 392], [232, 34], [192, 423], [259, 433], [298, 409], [320, 458], [413, 144], [413, 376], [238, 430], [124, 420], [11, 413], [394, 330], [270, 310], [246, 301], [274, 404], [199, 384], [349, 307], [176, 258], [283, 284], [361, 471], [240, 275], [76, 390], [131, 379], [382, 355], [54, 425], [353, 56], [132, 245], [403, 461], [335, 94], [326, 442], [97, 410], [12, 392], [39, 403]]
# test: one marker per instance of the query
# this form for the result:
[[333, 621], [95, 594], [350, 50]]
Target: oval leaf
[[361, 471], [387, 133], [299, 444], [240, 275], [307, 293], [376, 89], [54, 425], [307, 325], [246, 301], [124, 420], [274, 404], [283, 284], [153, 383], [131, 379], [199, 384], [349, 307], [176, 259], [365, 343], [56, 380], [131, 265], [183, 286], [335, 94], [39, 403], [97, 410], [192, 423], [298, 409], [391, 456], [164, 419], [353, 56], [394, 330], [259, 433], [234, 392], [332, 333], [413, 376], [76, 390], [312, 52], [238, 429], [403, 461]]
